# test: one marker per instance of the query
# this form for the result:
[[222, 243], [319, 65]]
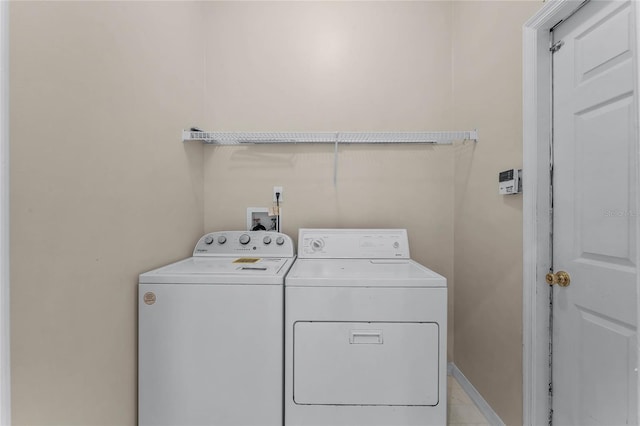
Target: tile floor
[[461, 410]]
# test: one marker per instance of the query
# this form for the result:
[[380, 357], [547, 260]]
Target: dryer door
[[366, 363]]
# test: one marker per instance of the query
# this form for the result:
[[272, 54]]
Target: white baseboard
[[475, 396]]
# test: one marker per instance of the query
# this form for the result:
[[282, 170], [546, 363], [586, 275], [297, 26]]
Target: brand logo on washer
[[149, 298]]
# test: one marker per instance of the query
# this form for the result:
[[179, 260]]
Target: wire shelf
[[239, 138]]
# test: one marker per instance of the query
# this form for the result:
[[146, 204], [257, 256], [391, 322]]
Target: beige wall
[[332, 66], [488, 227], [102, 189]]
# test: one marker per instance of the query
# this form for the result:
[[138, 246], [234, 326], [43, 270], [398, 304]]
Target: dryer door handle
[[366, 337]]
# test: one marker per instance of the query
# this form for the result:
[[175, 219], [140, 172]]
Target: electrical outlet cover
[[277, 189]]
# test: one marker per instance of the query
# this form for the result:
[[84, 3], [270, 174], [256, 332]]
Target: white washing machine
[[365, 332], [210, 333]]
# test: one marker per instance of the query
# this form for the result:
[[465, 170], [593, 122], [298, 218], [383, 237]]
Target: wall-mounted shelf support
[[239, 138]]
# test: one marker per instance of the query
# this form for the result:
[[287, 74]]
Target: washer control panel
[[353, 244], [245, 243]]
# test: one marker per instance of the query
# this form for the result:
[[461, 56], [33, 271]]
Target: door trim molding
[[5, 313], [536, 134]]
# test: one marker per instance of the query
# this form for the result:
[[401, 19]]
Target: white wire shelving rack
[[241, 138], [335, 138]]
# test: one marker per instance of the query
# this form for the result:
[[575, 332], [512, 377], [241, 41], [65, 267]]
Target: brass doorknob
[[562, 278]]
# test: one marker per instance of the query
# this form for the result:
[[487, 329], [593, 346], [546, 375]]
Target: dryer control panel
[[353, 244], [245, 243]]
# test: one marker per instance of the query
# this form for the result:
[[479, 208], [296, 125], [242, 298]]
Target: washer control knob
[[222, 239], [317, 245], [280, 241], [244, 239], [208, 239], [266, 240]]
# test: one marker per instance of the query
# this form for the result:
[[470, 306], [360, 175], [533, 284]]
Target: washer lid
[[362, 273], [221, 270]]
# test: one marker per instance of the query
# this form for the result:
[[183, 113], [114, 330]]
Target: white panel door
[[595, 150]]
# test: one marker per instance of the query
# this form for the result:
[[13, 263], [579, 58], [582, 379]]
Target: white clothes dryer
[[365, 332], [210, 333]]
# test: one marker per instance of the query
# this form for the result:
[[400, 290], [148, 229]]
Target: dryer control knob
[[244, 239], [208, 239], [266, 240], [222, 239], [317, 245], [280, 241]]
